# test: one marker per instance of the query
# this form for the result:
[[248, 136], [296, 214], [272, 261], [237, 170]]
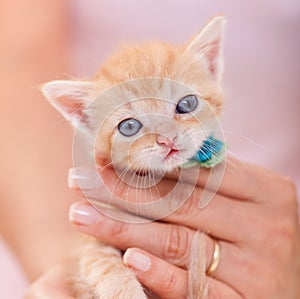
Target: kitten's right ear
[[207, 47], [70, 98]]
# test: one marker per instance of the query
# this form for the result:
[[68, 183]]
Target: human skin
[[254, 215], [35, 143], [33, 51]]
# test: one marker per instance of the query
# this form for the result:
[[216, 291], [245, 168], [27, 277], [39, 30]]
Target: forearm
[[35, 145]]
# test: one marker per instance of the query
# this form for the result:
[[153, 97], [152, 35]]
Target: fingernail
[[83, 214], [83, 178], [136, 260]]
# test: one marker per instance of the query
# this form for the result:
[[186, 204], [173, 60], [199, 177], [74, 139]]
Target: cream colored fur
[[98, 269]]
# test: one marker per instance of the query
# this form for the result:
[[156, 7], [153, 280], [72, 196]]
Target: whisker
[[241, 136]]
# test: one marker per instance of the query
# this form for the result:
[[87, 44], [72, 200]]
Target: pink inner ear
[[71, 107], [212, 56]]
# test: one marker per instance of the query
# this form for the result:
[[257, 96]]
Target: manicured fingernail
[[83, 214], [83, 178], [136, 260]]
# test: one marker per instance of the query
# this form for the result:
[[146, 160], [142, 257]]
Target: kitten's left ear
[[70, 98], [207, 47]]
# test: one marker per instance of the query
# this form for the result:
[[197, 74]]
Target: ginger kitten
[[148, 110]]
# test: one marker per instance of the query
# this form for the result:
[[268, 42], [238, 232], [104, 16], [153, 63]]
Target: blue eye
[[129, 127], [187, 104]]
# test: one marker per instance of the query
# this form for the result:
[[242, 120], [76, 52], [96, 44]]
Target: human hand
[[254, 216], [55, 284]]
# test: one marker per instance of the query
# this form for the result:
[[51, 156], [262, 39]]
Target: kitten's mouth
[[173, 153], [142, 173]]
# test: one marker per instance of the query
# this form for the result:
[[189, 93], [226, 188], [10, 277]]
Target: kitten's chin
[[166, 164], [157, 168], [157, 164]]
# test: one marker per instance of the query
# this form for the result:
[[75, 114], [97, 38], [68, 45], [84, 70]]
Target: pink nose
[[166, 141]]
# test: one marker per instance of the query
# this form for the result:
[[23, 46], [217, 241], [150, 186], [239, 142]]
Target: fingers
[[167, 241], [113, 190], [223, 218], [164, 279], [247, 229], [219, 290], [209, 219], [169, 281], [246, 181], [52, 284], [239, 180]]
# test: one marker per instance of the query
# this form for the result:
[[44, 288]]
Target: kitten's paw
[[101, 274], [129, 293], [130, 290]]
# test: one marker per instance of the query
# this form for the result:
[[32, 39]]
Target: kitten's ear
[[70, 98], [207, 47]]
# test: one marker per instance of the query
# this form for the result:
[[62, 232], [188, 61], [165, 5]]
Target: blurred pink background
[[262, 46]]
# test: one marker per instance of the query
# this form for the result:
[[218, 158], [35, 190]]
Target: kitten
[[148, 110]]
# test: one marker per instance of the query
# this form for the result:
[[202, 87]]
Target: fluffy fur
[[98, 109]]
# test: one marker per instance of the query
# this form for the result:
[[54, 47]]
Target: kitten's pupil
[[187, 104], [129, 127]]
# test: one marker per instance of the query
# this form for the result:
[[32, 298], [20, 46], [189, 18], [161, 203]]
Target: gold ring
[[216, 258]]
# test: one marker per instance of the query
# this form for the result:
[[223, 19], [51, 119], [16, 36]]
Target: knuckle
[[289, 191], [190, 205], [119, 230], [282, 217], [287, 229], [177, 245], [268, 183], [286, 234], [284, 190]]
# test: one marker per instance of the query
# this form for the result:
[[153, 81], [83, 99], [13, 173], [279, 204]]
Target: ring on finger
[[216, 258]]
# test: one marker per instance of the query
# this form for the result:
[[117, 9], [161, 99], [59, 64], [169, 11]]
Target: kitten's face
[[153, 133], [162, 102]]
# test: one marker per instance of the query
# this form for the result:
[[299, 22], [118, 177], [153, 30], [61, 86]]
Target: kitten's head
[[150, 107]]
